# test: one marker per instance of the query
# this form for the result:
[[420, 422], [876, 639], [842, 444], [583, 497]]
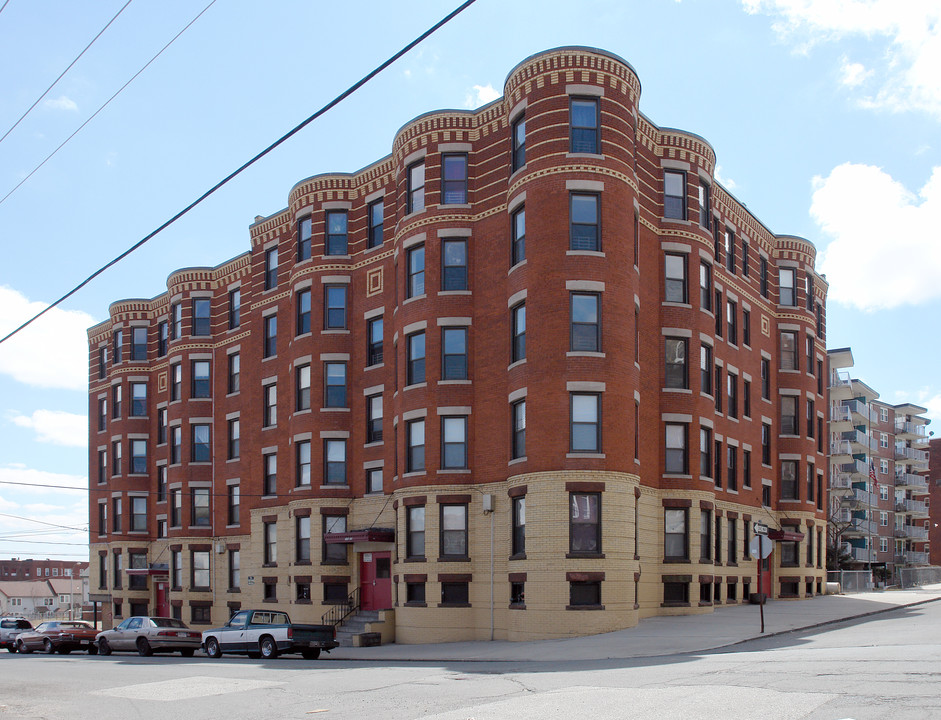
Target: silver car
[[148, 635], [10, 627]]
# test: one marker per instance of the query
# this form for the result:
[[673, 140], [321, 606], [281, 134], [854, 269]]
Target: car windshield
[[168, 622], [45, 626]]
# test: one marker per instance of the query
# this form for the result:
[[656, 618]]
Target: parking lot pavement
[[661, 635]]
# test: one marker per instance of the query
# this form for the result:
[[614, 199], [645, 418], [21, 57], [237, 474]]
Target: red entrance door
[[163, 608], [375, 580]]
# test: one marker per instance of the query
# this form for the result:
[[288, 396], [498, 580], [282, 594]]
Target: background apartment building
[[534, 374], [878, 483]]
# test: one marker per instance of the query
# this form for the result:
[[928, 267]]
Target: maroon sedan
[[61, 636]]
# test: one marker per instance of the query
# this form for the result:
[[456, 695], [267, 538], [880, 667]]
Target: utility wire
[[339, 98], [95, 114], [54, 82], [41, 522], [6, 2]]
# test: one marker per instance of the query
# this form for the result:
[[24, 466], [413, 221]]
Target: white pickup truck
[[267, 634]]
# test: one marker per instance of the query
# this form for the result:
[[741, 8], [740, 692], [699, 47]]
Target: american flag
[[872, 474]]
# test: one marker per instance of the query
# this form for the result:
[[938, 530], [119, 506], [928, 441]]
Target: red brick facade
[[610, 285]]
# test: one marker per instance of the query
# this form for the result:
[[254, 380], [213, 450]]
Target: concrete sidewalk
[[660, 635]]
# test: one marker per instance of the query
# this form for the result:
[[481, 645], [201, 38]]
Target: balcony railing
[[840, 447], [911, 480], [911, 507], [839, 413], [864, 498], [840, 481], [863, 554], [858, 437], [910, 428], [913, 532], [840, 380], [903, 452], [911, 557], [855, 467]]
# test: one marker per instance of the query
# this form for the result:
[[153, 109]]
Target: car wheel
[[268, 647], [311, 654], [47, 646], [253, 655], [212, 648], [143, 647], [21, 646], [103, 647], [12, 647], [92, 649], [187, 652]]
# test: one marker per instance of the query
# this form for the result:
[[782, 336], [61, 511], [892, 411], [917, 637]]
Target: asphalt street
[[879, 666]]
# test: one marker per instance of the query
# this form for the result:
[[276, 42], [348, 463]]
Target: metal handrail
[[338, 613]]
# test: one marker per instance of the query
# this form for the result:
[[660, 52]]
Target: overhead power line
[[41, 522], [338, 99], [103, 106], [5, 3], [54, 82]]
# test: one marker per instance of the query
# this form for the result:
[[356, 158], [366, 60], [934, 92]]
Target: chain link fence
[[916, 576], [852, 580]]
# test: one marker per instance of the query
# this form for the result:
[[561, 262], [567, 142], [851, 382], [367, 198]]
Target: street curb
[[824, 623]]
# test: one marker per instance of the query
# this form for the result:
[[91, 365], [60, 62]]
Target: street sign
[[760, 528], [760, 547]]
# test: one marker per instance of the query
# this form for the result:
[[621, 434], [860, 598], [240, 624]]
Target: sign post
[[761, 547]]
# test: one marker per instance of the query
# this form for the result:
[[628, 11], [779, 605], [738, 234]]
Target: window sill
[[453, 558], [578, 353], [705, 604], [303, 562], [518, 556], [516, 363], [413, 298], [675, 605], [454, 471], [333, 563], [374, 443], [584, 607], [676, 476], [585, 455], [517, 461], [335, 486], [454, 206], [454, 605], [454, 382], [583, 156], [681, 391], [445, 293], [584, 556], [335, 331], [672, 304], [676, 561], [374, 367], [516, 606], [269, 565], [266, 600], [310, 602], [332, 409], [584, 253], [415, 604], [414, 386], [413, 473], [415, 559], [302, 411], [521, 263], [344, 256]]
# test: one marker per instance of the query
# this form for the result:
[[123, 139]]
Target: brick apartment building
[[30, 569], [934, 497], [878, 487], [536, 361]]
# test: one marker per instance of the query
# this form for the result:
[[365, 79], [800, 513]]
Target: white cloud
[[881, 256], [853, 74], [727, 183], [35, 481], [50, 353], [56, 427], [61, 103], [480, 95], [909, 44]]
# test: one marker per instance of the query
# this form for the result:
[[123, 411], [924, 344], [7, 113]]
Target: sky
[[825, 116]]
